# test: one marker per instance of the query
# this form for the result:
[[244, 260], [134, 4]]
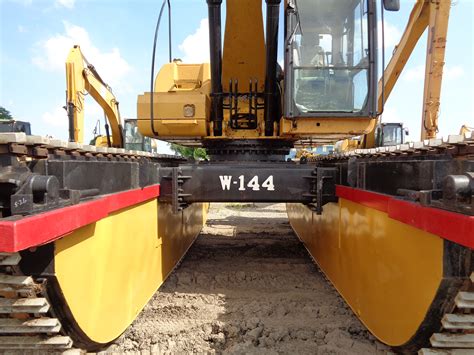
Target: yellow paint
[[387, 271], [324, 129], [80, 80], [178, 84], [244, 44], [108, 270], [178, 87]]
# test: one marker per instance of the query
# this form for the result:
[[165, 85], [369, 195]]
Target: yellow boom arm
[[82, 78], [433, 15]]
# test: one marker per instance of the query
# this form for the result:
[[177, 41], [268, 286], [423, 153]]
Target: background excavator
[[81, 79], [391, 227]]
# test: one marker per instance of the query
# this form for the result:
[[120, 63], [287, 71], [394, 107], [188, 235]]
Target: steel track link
[[455, 145], [26, 319], [457, 332], [37, 147]]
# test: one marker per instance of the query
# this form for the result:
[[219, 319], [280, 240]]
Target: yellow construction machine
[[81, 79], [465, 129], [87, 234], [391, 225]]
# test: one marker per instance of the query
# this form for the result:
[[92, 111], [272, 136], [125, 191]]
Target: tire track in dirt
[[247, 286]]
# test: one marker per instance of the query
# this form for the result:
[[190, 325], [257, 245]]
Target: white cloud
[[391, 114], [56, 117], [415, 73], [52, 54], [65, 3], [55, 122], [392, 35], [196, 46], [22, 29], [454, 72]]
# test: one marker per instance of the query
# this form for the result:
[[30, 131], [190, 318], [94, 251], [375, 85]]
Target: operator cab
[[330, 58], [390, 134], [134, 140], [15, 126]]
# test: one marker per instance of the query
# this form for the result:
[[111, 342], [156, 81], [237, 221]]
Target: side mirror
[[391, 5], [407, 132]]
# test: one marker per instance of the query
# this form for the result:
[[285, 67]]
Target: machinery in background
[[72, 212], [466, 129], [82, 78], [134, 140], [15, 126], [302, 155], [390, 134], [385, 135]]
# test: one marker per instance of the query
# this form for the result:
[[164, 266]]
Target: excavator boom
[[82, 78]]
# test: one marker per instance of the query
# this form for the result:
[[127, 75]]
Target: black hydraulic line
[[383, 65], [169, 33], [215, 42], [107, 133], [70, 116], [97, 76], [270, 110], [152, 78], [122, 138]]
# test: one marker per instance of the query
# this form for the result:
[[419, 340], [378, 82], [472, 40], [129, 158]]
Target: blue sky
[[116, 36]]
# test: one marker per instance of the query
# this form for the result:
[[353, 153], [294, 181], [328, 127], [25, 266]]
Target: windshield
[[134, 139], [392, 135], [330, 56]]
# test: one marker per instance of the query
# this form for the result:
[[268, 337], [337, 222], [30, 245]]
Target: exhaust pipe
[[215, 42], [273, 13]]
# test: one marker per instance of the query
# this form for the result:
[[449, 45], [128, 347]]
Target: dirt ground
[[247, 286]]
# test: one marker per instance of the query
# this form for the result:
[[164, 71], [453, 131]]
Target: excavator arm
[[425, 14], [82, 78]]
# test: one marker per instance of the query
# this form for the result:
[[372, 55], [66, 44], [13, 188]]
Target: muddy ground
[[247, 286]]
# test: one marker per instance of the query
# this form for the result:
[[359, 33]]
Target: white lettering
[[225, 181], [268, 184]]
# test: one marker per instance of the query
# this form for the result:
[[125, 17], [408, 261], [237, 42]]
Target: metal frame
[[370, 109]]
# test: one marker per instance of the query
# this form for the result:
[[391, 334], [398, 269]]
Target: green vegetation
[[187, 152], [5, 114]]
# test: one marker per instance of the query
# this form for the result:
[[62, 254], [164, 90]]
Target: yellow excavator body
[[88, 234], [112, 264], [388, 272], [243, 68]]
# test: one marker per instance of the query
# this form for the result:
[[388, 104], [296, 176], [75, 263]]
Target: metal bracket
[[172, 188], [323, 187], [264, 182]]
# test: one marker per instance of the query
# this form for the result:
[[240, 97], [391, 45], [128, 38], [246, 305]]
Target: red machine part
[[31, 231]]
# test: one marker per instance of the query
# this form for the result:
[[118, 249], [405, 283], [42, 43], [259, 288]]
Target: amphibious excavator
[[87, 234]]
